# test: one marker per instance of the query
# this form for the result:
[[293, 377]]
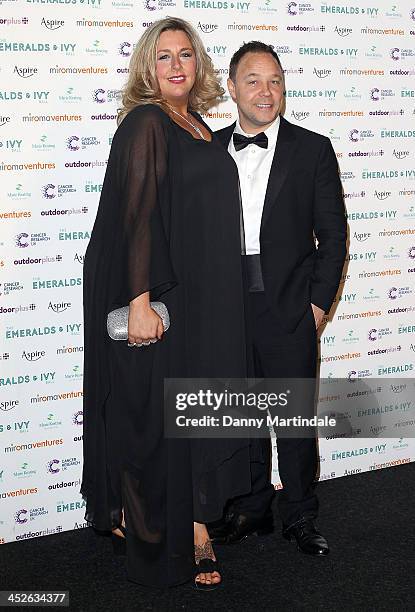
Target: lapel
[[225, 134], [281, 163]]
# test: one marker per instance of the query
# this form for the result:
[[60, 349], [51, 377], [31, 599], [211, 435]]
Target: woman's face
[[175, 66]]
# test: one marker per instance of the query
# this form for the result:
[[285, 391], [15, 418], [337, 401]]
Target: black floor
[[369, 520]]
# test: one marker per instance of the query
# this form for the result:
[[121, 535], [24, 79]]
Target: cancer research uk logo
[[75, 143], [395, 293], [100, 96], [360, 135], [23, 515], [125, 49], [24, 239], [157, 5], [56, 465], [377, 334], [51, 191], [402, 54], [299, 8], [377, 94]]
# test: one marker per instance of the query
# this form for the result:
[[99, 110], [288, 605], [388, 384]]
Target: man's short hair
[[255, 46]]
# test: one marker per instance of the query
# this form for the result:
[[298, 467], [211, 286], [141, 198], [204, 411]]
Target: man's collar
[[271, 132]]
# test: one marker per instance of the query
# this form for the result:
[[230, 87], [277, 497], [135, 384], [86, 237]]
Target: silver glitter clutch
[[117, 320]]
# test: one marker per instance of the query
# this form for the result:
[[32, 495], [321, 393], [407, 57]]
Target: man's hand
[[318, 315]]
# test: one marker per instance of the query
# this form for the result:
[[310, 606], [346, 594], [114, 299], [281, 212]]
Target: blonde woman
[[167, 228]]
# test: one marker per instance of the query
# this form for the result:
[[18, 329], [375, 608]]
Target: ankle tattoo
[[204, 551]]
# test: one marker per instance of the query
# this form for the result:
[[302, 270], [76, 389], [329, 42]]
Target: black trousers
[[276, 354]]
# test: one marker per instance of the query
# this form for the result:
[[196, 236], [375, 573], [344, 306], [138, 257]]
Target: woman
[[167, 229]]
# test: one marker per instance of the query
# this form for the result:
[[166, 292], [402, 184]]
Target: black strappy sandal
[[119, 543], [206, 565]]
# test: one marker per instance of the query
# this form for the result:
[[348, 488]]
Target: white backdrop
[[349, 75]]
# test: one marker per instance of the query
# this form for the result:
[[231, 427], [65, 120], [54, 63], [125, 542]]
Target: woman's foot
[[205, 558], [117, 531]]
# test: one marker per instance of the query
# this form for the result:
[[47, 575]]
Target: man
[[291, 193]]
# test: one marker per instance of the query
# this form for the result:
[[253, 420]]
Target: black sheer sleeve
[[142, 251]]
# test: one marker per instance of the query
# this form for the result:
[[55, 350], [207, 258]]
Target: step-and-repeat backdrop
[[349, 70]]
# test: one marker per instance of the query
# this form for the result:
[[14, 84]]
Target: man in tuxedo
[[291, 194]]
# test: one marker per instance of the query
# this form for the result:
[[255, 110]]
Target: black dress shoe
[[239, 527], [309, 540]]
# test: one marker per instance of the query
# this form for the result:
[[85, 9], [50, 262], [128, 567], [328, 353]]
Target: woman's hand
[[144, 324]]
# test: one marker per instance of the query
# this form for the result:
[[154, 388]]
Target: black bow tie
[[240, 141]]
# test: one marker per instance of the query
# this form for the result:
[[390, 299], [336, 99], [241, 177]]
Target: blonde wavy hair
[[142, 86]]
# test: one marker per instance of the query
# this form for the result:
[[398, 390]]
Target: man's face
[[258, 91]]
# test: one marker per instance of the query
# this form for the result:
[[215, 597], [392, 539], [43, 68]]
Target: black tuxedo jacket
[[303, 200]]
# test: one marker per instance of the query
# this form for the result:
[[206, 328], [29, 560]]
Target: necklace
[[196, 129]]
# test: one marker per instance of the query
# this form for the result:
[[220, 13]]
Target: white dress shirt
[[254, 165]]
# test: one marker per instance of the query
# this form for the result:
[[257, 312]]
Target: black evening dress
[[168, 222]]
